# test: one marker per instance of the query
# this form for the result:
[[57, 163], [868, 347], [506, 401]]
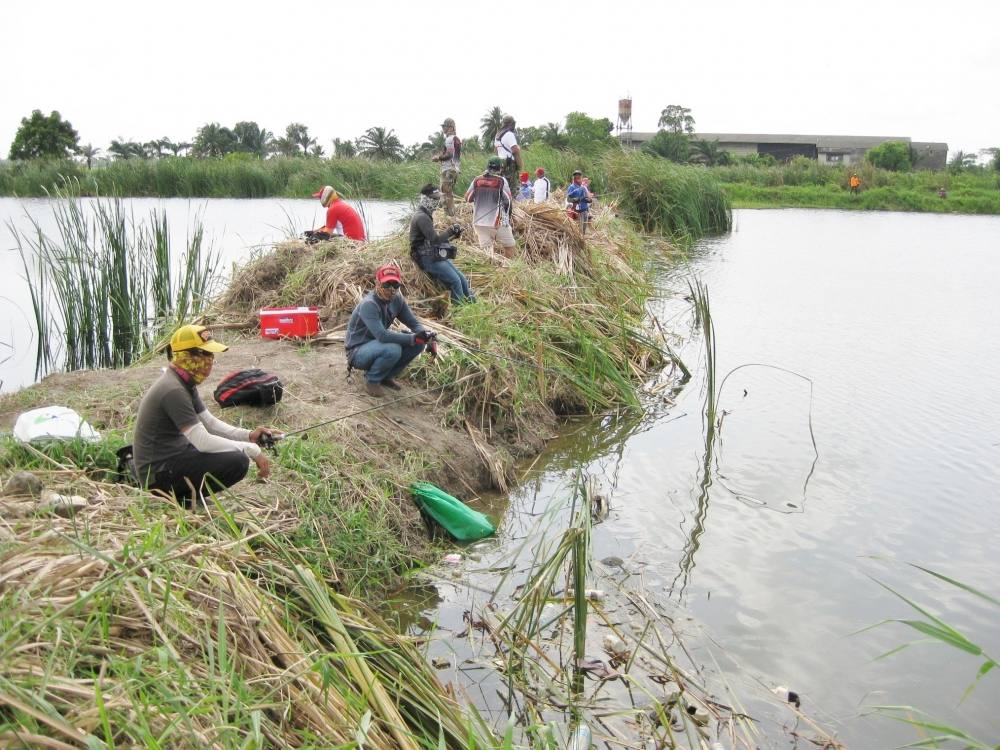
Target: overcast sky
[[138, 70]]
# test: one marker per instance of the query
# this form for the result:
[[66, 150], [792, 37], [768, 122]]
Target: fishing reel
[[269, 442]]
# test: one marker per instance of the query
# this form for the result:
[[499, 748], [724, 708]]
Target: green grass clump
[[660, 196], [137, 624], [807, 184], [106, 288]]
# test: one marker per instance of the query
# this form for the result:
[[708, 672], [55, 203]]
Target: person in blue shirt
[[579, 198]]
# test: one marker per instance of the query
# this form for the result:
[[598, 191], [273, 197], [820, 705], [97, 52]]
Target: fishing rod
[[270, 441], [515, 360]]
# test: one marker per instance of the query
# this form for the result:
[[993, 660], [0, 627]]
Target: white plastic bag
[[53, 423]]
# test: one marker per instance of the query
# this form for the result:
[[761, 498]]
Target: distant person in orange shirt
[[341, 218], [855, 183]]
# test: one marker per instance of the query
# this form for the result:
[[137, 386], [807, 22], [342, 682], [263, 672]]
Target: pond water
[[860, 431], [235, 229]]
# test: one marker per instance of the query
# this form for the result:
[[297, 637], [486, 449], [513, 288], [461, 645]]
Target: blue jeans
[[444, 270], [381, 361]]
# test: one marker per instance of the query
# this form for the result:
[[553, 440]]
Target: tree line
[[52, 137]]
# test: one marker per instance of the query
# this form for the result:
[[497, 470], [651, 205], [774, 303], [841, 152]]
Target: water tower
[[624, 125]]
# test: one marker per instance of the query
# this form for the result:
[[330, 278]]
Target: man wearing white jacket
[[179, 447]]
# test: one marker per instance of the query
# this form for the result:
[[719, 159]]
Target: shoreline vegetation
[[128, 621], [799, 183]]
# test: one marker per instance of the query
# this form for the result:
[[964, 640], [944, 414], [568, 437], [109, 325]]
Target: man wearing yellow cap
[[341, 218], [179, 447]]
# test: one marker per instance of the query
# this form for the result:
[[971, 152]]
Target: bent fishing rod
[[269, 441]]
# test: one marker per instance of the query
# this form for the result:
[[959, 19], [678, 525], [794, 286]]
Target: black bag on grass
[[249, 388]]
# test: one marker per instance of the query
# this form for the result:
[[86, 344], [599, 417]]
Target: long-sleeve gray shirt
[[372, 317]]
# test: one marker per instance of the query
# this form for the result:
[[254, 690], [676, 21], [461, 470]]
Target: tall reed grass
[[107, 287], [683, 202]]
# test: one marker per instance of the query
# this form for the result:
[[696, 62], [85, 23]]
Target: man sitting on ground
[[341, 218], [371, 346], [491, 202], [429, 250], [179, 447]]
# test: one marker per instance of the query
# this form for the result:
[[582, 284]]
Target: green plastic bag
[[457, 518]]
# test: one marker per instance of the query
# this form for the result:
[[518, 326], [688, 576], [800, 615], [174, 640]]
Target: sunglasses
[[390, 284]]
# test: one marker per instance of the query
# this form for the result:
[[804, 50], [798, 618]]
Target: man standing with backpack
[[450, 158], [491, 200], [509, 152]]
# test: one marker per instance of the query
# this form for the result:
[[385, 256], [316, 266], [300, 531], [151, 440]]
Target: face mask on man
[[432, 201]]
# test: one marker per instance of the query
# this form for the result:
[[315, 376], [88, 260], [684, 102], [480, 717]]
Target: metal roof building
[[827, 149]]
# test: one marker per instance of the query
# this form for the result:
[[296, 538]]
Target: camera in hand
[[445, 251]]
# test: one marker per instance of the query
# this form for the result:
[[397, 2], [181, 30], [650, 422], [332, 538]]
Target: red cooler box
[[288, 322]]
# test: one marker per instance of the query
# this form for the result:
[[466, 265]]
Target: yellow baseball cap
[[195, 337]]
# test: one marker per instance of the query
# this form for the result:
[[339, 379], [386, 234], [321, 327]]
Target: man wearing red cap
[[525, 193], [341, 218], [371, 345], [542, 187]]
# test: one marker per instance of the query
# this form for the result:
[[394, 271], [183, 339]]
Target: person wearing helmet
[[341, 218], [491, 201], [509, 152], [450, 157], [372, 346], [179, 447]]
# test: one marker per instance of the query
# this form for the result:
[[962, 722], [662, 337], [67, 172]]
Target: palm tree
[[152, 149], [89, 152], [125, 149], [961, 161], [709, 153], [252, 139], [298, 134], [380, 145], [554, 135], [214, 140], [490, 125], [316, 150], [344, 149]]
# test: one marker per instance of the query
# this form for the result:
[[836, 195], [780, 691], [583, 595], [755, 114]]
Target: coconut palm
[[214, 140], [490, 125], [554, 135], [344, 149], [252, 139], [89, 152], [709, 153], [381, 145], [125, 149], [316, 150]]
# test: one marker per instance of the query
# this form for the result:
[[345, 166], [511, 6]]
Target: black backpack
[[249, 388]]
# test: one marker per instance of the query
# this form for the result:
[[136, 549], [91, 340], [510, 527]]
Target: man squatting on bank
[[180, 448], [382, 353]]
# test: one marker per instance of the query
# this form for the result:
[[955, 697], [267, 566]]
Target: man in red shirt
[[340, 217]]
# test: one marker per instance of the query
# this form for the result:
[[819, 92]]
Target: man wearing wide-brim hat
[[181, 449]]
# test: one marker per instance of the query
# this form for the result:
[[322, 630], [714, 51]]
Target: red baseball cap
[[540, 171], [388, 272]]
